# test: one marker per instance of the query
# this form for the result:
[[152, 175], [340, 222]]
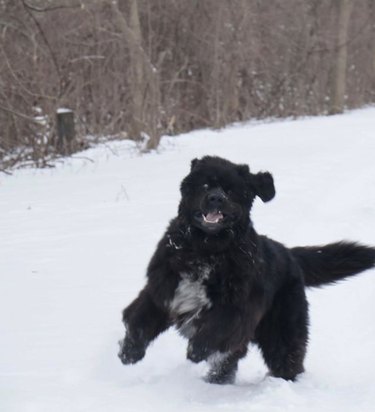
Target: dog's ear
[[243, 170], [263, 184], [194, 163]]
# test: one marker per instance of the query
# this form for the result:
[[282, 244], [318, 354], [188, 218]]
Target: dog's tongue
[[213, 217]]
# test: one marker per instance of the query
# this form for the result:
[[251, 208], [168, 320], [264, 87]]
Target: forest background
[[141, 69]]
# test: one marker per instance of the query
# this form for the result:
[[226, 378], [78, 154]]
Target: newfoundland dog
[[223, 286]]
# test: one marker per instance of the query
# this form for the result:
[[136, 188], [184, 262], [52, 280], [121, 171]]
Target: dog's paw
[[130, 352], [197, 353], [220, 378]]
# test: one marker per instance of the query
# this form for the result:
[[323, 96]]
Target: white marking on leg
[[217, 359]]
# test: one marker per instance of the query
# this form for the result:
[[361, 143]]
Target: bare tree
[[341, 57], [143, 76]]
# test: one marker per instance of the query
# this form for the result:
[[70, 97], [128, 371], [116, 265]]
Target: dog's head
[[218, 194]]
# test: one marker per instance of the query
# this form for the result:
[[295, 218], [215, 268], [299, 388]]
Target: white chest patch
[[190, 296]]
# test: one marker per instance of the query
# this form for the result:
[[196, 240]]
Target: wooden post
[[65, 131]]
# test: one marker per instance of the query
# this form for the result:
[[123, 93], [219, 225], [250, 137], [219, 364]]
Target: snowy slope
[[75, 242]]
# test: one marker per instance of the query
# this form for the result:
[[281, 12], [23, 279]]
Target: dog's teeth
[[213, 217]]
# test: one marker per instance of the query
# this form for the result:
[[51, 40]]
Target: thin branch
[[52, 8], [82, 158], [18, 114], [5, 171], [19, 81]]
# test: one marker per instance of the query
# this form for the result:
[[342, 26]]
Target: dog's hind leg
[[223, 366], [283, 332], [143, 321]]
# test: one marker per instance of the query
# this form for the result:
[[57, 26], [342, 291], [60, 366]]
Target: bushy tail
[[323, 265]]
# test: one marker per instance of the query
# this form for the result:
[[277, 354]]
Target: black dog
[[224, 286]]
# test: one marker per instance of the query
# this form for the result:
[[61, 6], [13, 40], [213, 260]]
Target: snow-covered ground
[[75, 242]]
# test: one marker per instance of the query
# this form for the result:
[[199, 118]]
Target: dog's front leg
[[143, 321], [220, 329]]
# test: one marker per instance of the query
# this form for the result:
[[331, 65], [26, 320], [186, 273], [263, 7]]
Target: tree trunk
[[144, 77], [372, 28], [341, 57], [137, 71]]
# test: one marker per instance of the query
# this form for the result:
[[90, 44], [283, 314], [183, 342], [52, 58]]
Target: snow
[[76, 241], [64, 110]]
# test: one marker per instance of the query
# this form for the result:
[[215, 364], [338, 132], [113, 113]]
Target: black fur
[[328, 264], [224, 286]]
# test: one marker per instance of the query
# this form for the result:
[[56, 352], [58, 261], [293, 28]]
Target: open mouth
[[213, 217], [212, 221]]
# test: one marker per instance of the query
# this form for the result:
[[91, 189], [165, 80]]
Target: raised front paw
[[130, 351], [197, 352]]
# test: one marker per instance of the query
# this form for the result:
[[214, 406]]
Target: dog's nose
[[215, 198]]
